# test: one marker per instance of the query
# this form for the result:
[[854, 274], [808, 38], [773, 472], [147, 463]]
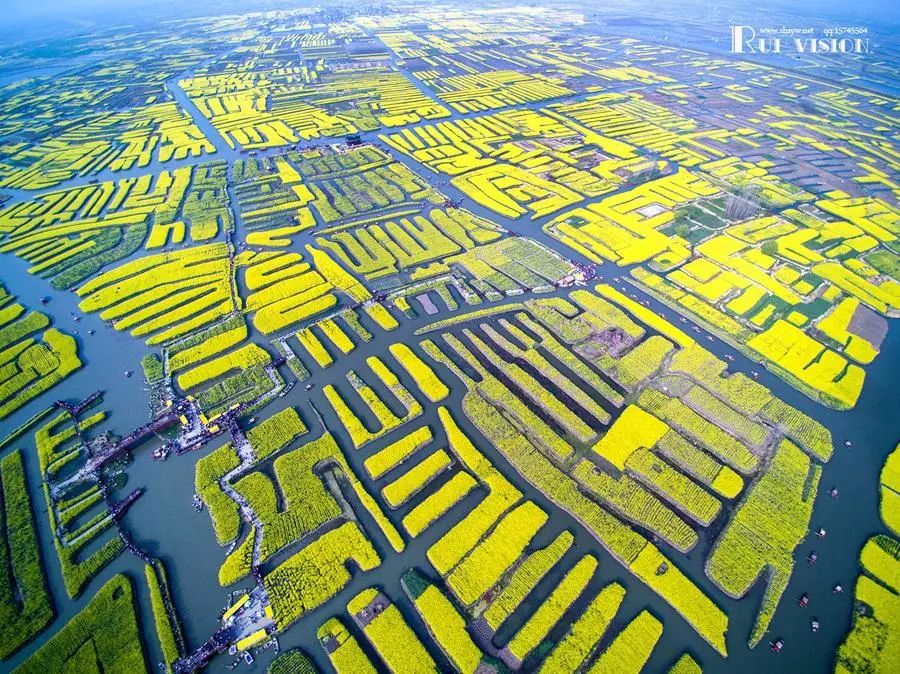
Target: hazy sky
[[133, 11], [122, 10]]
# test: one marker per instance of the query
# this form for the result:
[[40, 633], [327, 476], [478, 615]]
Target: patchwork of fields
[[489, 341]]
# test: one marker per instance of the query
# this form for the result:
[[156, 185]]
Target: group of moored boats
[[778, 644]]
